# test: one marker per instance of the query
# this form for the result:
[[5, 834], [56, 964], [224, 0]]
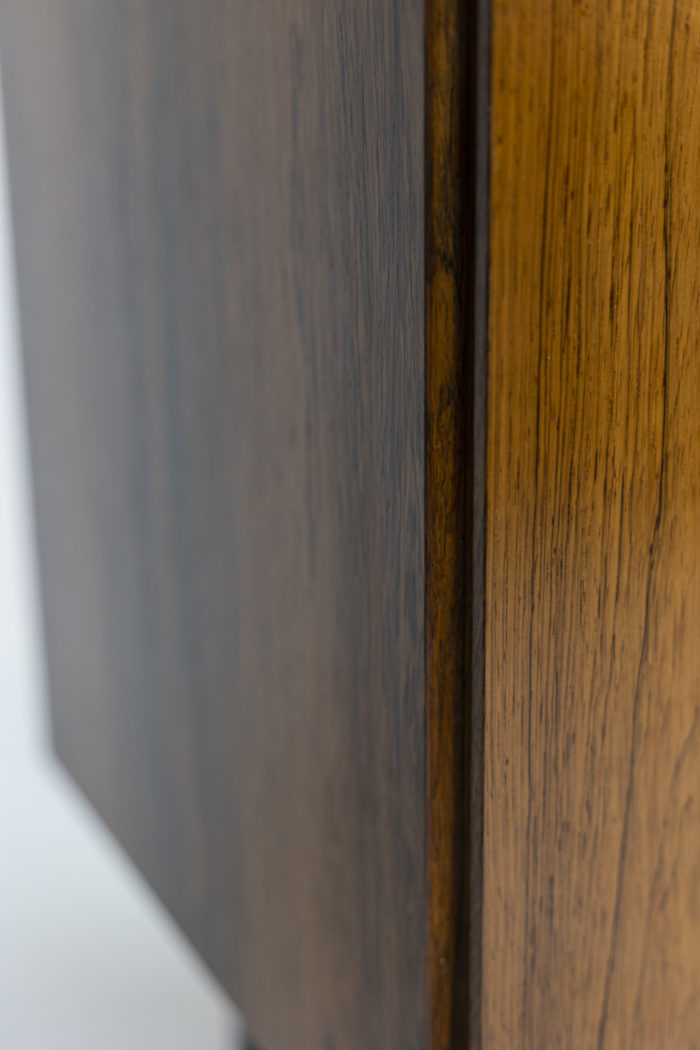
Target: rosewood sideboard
[[362, 360]]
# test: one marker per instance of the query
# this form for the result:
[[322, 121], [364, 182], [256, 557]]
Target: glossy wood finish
[[388, 681], [591, 909], [219, 224]]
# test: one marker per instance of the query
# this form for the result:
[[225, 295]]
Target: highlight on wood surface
[[591, 906]]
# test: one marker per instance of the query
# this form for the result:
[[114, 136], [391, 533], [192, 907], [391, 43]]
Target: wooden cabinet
[[363, 372]]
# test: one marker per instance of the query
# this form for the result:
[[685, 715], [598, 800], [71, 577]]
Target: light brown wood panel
[[591, 911]]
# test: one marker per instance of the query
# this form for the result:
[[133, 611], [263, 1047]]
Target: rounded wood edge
[[456, 221]]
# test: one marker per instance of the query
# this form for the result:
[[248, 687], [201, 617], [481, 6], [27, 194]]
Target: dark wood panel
[[457, 89], [219, 223], [591, 909]]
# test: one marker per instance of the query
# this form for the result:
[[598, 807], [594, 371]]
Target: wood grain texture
[[289, 562], [219, 224], [457, 63], [446, 487], [591, 912]]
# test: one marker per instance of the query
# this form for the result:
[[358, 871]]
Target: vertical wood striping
[[591, 917], [456, 247]]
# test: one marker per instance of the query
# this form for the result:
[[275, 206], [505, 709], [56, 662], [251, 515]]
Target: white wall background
[[88, 959]]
